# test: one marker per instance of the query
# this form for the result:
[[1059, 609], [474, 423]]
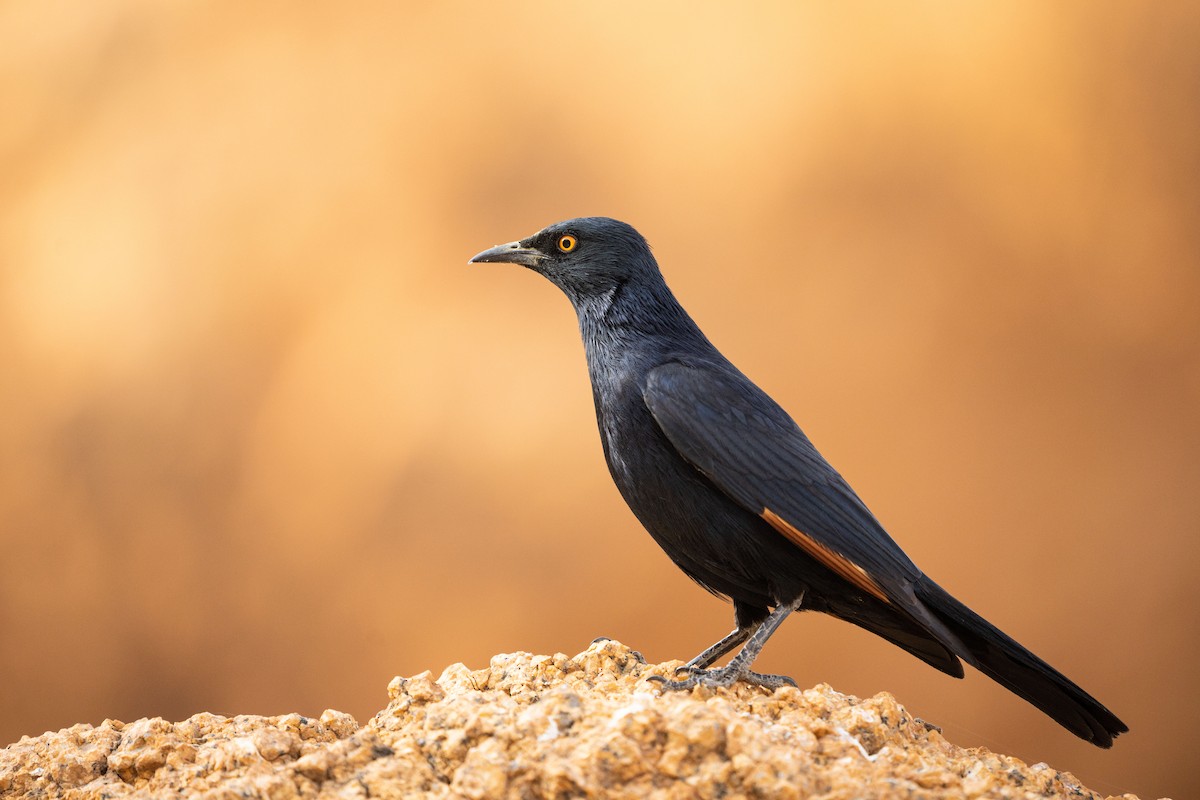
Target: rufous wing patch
[[830, 558]]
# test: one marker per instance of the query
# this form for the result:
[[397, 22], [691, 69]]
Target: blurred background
[[267, 441]]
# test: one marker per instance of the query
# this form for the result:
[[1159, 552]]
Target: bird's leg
[[739, 667], [747, 618], [705, 659]]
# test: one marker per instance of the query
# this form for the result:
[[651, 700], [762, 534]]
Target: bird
[[737, 496]]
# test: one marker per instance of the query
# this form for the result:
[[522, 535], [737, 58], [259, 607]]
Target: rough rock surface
[[531, 727]]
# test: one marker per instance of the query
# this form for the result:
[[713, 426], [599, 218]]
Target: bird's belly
[[719, 544]]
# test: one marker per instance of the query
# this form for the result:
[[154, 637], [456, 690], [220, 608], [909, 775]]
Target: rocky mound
[[536, 727]]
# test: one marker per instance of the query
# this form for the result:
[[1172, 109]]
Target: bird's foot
[[721, 677]]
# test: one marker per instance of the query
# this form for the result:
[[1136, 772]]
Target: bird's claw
[[774, 681], [722, 677]]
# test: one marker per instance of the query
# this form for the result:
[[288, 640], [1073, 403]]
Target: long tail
[[1002, 659]]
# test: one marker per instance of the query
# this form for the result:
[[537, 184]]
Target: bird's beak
[[511, 253]]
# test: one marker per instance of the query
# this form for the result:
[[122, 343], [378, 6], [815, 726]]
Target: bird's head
[[587, 258]]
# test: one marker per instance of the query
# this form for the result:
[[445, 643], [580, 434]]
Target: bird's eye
[[567, 243]]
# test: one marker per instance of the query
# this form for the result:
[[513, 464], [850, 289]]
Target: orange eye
[[567, 243]]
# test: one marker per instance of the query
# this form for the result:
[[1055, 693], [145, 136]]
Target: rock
[[532, 727]]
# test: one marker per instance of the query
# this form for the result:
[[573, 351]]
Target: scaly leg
[[739, 668]]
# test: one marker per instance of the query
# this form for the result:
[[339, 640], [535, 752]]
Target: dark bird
[[737, 496]]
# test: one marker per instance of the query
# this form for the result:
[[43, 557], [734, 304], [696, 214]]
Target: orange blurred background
[[266, 440]]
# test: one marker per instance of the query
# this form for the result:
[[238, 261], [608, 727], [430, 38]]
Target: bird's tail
[[1002, 659]]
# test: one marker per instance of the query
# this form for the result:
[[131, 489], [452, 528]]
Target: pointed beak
[[511, 253]]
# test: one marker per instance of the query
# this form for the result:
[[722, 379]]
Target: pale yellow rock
[[536, 727]]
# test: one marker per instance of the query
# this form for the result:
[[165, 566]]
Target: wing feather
[[745, 444]]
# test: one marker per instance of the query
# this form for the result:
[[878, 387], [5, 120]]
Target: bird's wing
[[745, 444]]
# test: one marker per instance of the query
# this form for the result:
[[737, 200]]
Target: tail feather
[[1002, 659]]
